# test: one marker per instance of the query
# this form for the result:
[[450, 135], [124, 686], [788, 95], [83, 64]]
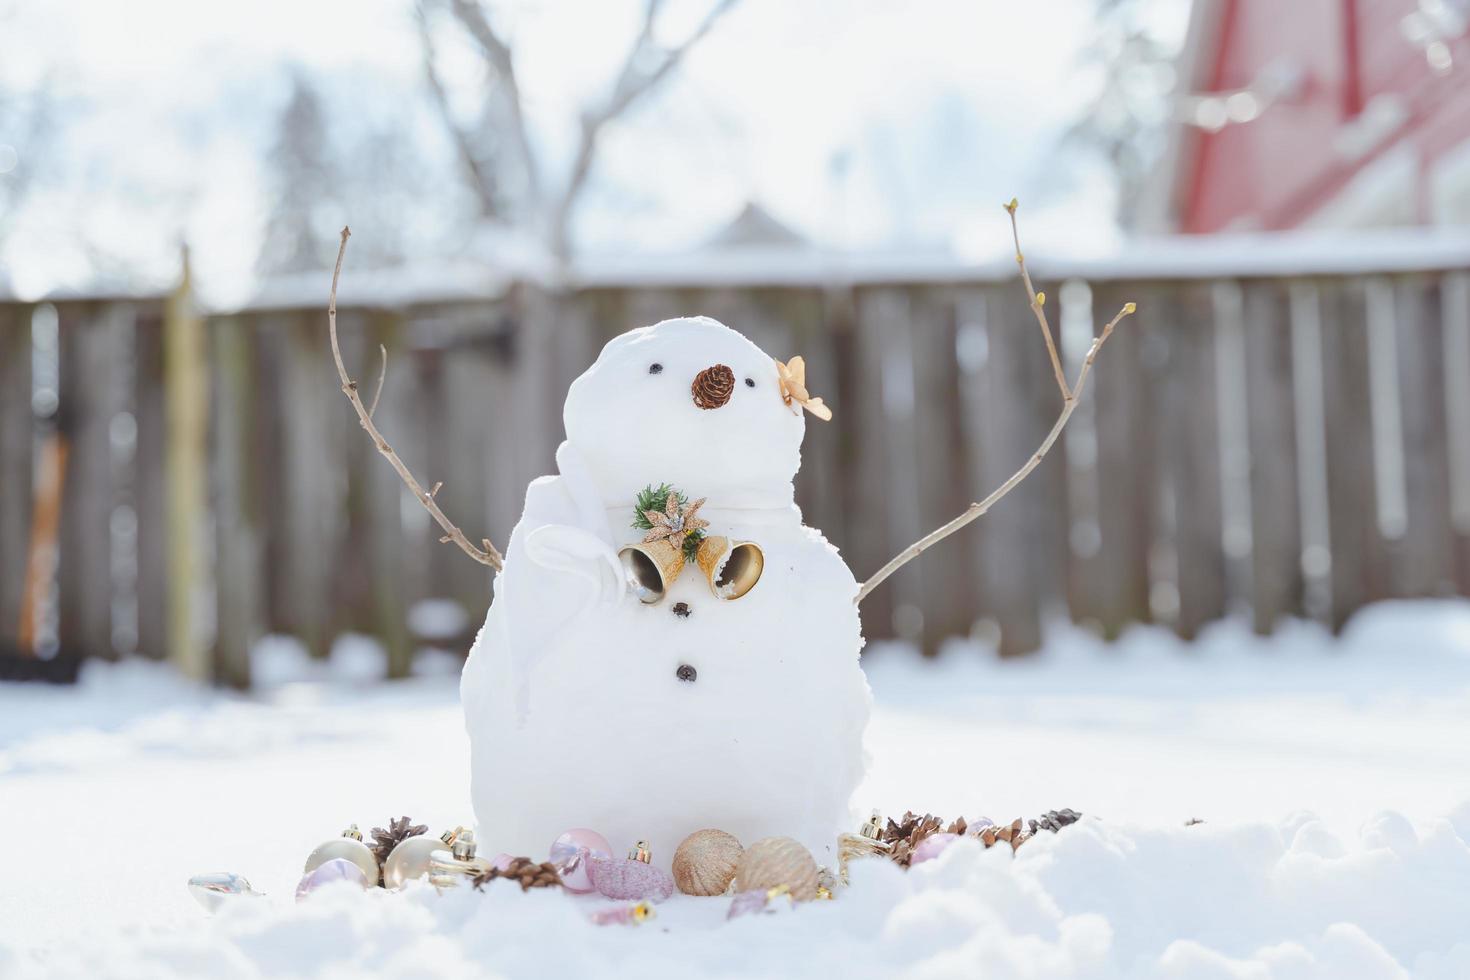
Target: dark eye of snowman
[[655, 368], [749, 383]]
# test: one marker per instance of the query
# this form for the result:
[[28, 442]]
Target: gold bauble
[[705, 862], [410, 859], [350, 847], [774, 861]]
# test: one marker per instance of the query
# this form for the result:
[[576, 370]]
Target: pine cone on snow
[[1012, 834], [904, 835], [529, 873], [1054, 820], [396, 833]]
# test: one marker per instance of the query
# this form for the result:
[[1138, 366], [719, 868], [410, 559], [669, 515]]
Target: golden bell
[[732, 567], [651, 567]]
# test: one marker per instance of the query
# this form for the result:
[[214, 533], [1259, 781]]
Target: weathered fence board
[[1276, 544], [16, 425], [87, 348], [1282, 446]]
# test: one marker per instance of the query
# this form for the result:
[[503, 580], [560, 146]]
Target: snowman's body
[[576, 709]]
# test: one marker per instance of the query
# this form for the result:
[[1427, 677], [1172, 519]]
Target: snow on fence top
[[1173, 257]]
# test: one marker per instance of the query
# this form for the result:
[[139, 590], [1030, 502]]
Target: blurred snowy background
[[1234, 592], [254, 132]]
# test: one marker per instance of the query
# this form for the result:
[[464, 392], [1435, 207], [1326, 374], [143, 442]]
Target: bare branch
[[632, 82], [486, 556], [1070, 398], [1038, 303], [482, 180], [498, 54], [382, 376]]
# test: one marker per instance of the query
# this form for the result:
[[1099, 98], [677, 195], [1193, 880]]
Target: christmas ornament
[[675, 522], [397, 831], [350, 847], [410, 858], [931, 847], [732, 568], [569, 853], [217, 887], [571, 669], [760, 900], [705, 862], [793, 388], [331, 872], [523, 870], [628, 878], [650, 569], [623, 915], [774, 861], [865, 843], [448, 867], [713, 387]]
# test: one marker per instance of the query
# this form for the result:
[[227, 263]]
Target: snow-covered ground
[[1333, 776]]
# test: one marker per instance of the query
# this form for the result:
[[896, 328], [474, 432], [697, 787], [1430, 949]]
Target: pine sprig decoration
[[397, 831], [656, 499], [529, 873]]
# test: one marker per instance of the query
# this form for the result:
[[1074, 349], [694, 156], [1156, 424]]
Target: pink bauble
[[931, 847], [570, 852], [625, 878], [330, 872]]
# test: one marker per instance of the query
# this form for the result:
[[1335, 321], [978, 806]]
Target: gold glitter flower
[[674, 522], [793, 388]]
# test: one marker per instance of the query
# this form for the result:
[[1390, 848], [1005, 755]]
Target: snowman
[[670, 649]]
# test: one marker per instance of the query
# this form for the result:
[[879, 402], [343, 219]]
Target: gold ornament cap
[[352, 832], [463, 847], [640, 852]]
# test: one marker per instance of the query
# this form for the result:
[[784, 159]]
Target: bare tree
[[1126, 122], [26, 128], [303, 180], [497, 154]]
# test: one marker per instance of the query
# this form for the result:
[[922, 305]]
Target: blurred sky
[[863, 123]]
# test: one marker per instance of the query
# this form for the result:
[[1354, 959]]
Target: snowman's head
[[634, 417]]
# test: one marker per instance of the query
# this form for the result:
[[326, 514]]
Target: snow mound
[[1097, 900]]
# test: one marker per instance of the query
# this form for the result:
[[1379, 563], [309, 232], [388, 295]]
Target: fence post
[[186, 411]]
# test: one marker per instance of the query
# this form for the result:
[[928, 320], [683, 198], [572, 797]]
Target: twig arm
[[486, 555], [1038, 305], [1070, 397]]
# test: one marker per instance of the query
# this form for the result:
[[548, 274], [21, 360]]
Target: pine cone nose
[[713, 386]]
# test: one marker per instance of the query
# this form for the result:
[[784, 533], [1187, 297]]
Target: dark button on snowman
[[580, 694]]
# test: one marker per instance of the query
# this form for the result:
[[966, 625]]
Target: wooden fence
[[1261, 444]]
